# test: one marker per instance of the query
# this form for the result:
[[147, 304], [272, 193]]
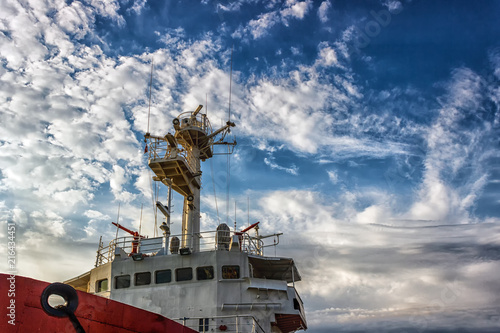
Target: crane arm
[[133, 233], [247, 228], [222, 129]]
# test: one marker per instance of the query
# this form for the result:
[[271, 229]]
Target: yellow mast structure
[[176, 161]]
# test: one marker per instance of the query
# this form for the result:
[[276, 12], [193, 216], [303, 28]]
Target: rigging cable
[[150, 88], [230, 82], [228, 181], [147, 132], [157, 194], [117, 224], [213, 184], [155, 209], [140, 220], [212, 166], [228, 171]]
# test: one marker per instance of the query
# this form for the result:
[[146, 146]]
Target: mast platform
[[184, 179]]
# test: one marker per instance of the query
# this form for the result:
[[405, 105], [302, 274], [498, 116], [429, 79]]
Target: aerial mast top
[[176, 161]]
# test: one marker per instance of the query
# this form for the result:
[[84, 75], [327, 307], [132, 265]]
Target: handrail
[[248, 244], [237, 326], [159, 148], [199, 120]]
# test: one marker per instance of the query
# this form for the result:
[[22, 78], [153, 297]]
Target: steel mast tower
[[176, 161]]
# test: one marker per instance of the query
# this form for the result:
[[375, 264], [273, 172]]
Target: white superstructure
[[214, 281]]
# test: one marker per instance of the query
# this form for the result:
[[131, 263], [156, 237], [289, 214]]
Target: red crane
[[240, 233], [135, 234], [246, 229]]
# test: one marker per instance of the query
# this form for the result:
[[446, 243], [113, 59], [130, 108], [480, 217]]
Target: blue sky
[[367, 132]]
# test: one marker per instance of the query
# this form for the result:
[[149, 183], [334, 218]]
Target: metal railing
[[199, 120], [160, 149], [230, 324], [151, 246], [251, 244]]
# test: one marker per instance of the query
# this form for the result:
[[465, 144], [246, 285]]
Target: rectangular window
[[122, 281], [205, 273], [164, 276], [203, 325], [231, 272], [142, 279], [102, 285], [184, 274], [296, 304]]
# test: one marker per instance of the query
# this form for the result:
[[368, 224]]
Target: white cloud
[[63, 121], [393, 5], [93, 214], [138, 5], [327, 55], [452, 148], [495, 62], [49, 222], [295, 211], [231, 6], [333, 176], [295, 50], [75, 19], [172, 37], [117, 179], [421, 272], [296, 9], [291, 170], [258, 28], [109, 9], [373, 214], [323, 11]]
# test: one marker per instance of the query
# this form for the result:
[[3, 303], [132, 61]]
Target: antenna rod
[[140, 221], [150, 88], [169, 202], [228, 171], [117, 224], [230, 82]]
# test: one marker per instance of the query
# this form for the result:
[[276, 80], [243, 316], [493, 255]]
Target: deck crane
[[135, 234]]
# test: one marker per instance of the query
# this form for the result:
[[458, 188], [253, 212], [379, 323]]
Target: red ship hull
[[95, 314]]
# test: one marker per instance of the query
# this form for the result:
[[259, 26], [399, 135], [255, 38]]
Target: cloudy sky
[[368, 132]]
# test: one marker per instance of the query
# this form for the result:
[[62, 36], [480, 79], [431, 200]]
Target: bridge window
[[205, 273], [203, 325], [102, 285], [142, 279], [231, 272], [122, 281], [164, 276], [184, 274]]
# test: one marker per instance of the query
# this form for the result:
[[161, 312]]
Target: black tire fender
[[65, 291]]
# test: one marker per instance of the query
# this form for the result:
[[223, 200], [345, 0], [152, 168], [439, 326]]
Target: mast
[[176, 161]]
